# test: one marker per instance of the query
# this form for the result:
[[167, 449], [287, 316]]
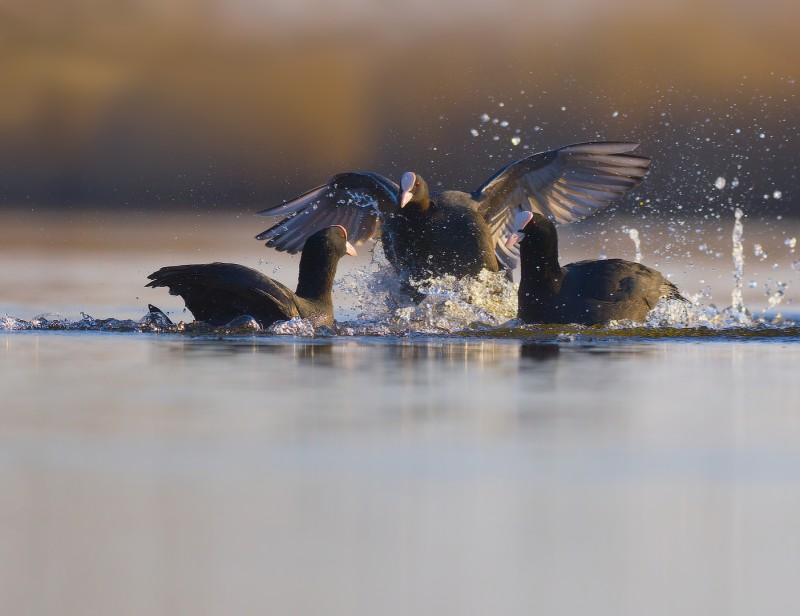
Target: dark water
[[587, 473]]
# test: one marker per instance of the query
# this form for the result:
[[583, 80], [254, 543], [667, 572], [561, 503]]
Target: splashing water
[[675, 314], [694, 314], [482, 305], [50, 322], [293, 327], [376, 289], [634, 235], [775, 297], [448, 304], [737, 301], [452, 304]]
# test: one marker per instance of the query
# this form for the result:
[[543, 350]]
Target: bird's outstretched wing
[[219, 292], [566, 184], [354, 200]]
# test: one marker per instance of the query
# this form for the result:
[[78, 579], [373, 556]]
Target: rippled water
[[432, 459]]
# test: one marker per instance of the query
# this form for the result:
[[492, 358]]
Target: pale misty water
[[547, 470]]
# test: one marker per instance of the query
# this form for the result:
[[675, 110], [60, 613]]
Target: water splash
[[774, 297], [695, 314], [448, 304], [243, 324], [737, 301], [452, 304], [634, 235], [50, 322], [293, 327]]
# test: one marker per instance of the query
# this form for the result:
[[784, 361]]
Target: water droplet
[[720, 183], [504, 123], [473, 132], [485, 117], [777, 194], [515, 140], [614, 114]]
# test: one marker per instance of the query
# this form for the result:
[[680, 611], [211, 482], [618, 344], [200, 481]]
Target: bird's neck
[[541, 269], [422, 205], [315, 278]]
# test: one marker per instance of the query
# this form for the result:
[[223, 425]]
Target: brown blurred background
[[231, 104]]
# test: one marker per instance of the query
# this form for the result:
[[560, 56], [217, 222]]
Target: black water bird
[[586, 292], [217, 293], [452, 232]]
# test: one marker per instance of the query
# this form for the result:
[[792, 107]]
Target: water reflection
[[331, 473], [539, 351], [449, 353], [376, 353], [319, 352]]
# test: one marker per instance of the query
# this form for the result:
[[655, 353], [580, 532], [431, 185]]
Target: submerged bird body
[[455, 232], [586, 292], [217, 293]]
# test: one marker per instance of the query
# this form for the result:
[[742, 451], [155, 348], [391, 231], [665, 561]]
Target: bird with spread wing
[[452, 232]]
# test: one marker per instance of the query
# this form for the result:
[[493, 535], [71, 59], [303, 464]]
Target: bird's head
[[530, 226], [332, 240], [413, 189]]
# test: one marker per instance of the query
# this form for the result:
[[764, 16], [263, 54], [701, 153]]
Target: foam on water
[[293, 327], [48, 322], [448, 304]]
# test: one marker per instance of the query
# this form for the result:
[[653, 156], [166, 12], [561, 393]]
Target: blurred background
[[233, 104], [150, 132]]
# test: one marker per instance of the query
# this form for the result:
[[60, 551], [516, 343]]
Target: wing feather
[[219, 292], [354, 200], [566, 184]]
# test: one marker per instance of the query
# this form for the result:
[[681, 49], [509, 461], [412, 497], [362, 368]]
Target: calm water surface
[[164, 474]]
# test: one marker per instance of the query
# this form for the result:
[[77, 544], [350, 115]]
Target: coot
[[217, 293], [586, 292], [454, 232]]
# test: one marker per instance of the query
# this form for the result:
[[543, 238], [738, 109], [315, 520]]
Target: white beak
[[514, 238], [520, 222], [350, 250], [406, 185]]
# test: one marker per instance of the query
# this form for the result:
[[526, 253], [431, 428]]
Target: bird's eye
[[416, 184]]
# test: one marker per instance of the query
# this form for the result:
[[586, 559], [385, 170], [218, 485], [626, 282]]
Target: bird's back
[[449, 238], [217, 293], [615, 289]]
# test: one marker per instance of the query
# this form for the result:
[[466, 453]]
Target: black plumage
[[586, 292], [454, 232], [217, 293]]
